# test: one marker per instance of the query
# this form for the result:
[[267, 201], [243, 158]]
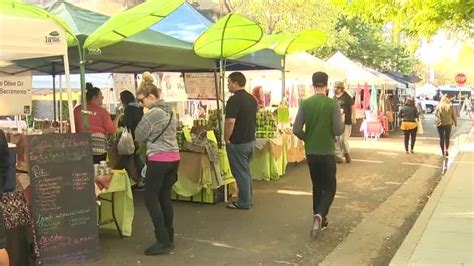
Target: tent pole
[[54, 93], [60, 103], [69, 93], [283, 77], [222, 83], [219, 117], [82, 70]]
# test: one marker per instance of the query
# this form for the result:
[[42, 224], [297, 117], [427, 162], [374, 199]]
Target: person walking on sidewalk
[[445, 118], [158, 129], [409, 116], [321, 118], [239, 136], [347, 105]]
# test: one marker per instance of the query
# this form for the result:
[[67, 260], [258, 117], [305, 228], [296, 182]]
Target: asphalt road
[[276, 230]]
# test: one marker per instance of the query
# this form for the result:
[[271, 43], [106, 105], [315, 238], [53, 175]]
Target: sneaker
[[140, 186], [317, 226], [348, 158], [446, 154], [324, 224]]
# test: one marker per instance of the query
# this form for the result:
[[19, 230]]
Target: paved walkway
[[444, 232]]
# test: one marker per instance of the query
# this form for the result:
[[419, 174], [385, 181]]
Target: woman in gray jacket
[[158, 129]]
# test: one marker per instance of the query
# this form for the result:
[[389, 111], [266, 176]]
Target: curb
[[366, 242], [405, 251]]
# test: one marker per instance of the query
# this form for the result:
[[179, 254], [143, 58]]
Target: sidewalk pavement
[[444, 232]]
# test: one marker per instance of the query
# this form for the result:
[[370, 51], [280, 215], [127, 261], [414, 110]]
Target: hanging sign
[[200, 86], [172, 87], [15, 94], [123, 82]]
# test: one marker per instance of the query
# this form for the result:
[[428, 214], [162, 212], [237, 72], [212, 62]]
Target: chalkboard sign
[[63, 199]]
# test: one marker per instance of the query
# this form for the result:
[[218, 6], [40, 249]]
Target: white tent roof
[[355, 73], [428, 90], [22, 38], [26, 37], [304, 64]]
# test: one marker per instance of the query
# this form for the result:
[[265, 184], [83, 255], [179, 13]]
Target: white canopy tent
[[355, 73], [26, 37]]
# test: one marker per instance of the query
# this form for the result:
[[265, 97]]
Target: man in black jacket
[[3, 174]]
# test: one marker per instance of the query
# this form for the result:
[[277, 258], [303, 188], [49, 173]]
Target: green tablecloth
[[124, 209], [269, 163], [196, 173]]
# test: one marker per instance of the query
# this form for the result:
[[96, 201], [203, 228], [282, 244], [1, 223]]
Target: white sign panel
[[15, 94], [172, 87], [200, 85], [123, 82]]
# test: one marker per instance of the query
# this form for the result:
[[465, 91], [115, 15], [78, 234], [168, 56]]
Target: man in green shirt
[[321, 118]]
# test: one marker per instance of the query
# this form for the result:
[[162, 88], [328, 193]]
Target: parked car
[[429, 105]]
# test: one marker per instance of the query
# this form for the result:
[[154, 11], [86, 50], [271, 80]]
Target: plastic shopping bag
[[125, 145]]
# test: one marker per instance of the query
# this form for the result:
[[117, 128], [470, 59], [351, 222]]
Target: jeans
[[133, 165], [410, 134], [322, 169], [342, 145], [239, 159], [160, 178], [444, 137]]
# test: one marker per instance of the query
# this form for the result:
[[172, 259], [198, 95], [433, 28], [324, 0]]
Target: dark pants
[[160, 178], [98, 158], [322, 169], [133, 165], [239, 160], [410, 134], [444, 137]]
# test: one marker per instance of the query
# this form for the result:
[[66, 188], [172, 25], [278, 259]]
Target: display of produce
[[266, 124]]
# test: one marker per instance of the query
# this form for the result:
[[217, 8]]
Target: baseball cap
[[320, 79]]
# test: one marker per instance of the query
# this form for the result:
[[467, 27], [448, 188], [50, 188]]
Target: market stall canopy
[[304, 65], [148, 50], [229, 36], [355, 73], [131, 22], [18, 41], [386, 80], [301, 42], [428, 90]]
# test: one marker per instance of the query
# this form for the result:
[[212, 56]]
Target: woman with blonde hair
[[444, 120], [409, 116], [158, 129]]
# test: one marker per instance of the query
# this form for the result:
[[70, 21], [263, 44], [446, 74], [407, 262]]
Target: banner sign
[[123, 82], [15, 94], [172, 87], [200, 86]]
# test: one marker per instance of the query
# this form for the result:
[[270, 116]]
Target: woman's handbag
[[419, 130], [100, 144], [126, 146]]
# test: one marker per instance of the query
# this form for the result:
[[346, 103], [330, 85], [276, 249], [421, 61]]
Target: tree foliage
[[356, 37], [417, 18]]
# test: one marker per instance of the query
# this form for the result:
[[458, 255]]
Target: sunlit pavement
[[276, 230]]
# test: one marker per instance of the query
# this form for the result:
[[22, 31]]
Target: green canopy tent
[[229, 36]]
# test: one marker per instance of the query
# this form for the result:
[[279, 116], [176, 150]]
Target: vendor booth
[[22, 207]]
